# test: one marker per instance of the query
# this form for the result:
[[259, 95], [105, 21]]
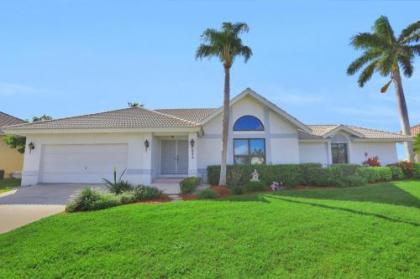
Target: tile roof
[[124, 118], [415, 130], [318, 131], [176, 118], [7, 120], [195, 114]]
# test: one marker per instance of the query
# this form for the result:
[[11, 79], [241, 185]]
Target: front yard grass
[[8, 184], [361, 232]]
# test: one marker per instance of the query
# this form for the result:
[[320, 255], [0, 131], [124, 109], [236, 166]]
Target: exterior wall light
[[192, 143], [31, 146], [146, 144]]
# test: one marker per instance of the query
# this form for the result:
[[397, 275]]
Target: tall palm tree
[[225, 44], [387, 54]]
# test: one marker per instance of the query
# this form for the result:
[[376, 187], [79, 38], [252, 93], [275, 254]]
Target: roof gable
[[261, 99]]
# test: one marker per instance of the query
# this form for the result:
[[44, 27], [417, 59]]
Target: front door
[[174, 156]]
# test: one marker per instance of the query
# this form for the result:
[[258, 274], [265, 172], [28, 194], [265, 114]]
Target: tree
[[43, 117], [19, 142], [134, 104], [387, 54], [226, 45]]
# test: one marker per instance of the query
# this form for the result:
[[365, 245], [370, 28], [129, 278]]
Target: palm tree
[[386, 54], [225, 44]]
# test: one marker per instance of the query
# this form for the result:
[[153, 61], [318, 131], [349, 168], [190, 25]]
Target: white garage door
[[82, 163]]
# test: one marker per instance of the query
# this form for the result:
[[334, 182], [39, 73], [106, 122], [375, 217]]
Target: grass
[[8, 184], [361, 232]]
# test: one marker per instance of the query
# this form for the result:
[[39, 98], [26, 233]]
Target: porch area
[[173, 157]]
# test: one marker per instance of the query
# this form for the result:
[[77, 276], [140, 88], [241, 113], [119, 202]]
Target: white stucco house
[[151, 144]]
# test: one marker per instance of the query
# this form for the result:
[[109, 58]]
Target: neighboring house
[[415, 130], [10, 159], [150, 144]]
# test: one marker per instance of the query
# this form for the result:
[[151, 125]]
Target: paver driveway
[[29, 204]]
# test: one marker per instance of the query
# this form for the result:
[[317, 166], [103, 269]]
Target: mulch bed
[[222, 191], [188, 197]]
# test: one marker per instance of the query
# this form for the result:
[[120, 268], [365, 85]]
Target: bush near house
[[406, 167], [207, 194], [189, 184], [89, 199], [397, 173], [375, 174], [312, 174], [289, 174], [255, 186]]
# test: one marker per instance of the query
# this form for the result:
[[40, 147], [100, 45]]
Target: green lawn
[[360, 232], [8, 184]]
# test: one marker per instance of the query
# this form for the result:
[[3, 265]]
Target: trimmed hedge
[[189, 184], [255, 186], [340, 175], [289, 174], [375, 174], [207, 194]]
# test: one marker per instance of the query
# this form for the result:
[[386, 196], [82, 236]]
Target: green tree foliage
[[18, 142], [387, 54]]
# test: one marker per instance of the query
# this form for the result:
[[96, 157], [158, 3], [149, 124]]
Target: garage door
[[82, 163]]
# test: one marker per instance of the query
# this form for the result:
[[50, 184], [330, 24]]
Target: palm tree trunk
[[226, 112], [402, 108]]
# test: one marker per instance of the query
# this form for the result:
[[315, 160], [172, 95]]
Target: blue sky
[[72, 57]]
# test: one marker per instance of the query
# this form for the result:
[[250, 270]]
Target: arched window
[[248, 123]]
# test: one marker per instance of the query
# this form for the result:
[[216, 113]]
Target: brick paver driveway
[[32, 203]]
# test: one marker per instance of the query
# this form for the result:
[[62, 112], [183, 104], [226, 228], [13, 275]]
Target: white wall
[[387, 152], [156, 156], [138, 165], [281, 140], [314, 153]]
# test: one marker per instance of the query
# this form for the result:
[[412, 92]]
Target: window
[[249, 151], [339, 153], [248, 123]]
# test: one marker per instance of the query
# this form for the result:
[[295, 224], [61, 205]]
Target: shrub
[[351, 181], [189, 184], [238, 175], [143, 193], [255, 186], [207, 194], [397, 173], [416, 170], [406, 167], [89, 199], [118, 186], [340, 170], [127, 197], [372, 162], [310, 173], [375, 174]]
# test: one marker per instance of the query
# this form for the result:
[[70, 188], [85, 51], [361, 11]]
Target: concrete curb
[[8, 193]]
